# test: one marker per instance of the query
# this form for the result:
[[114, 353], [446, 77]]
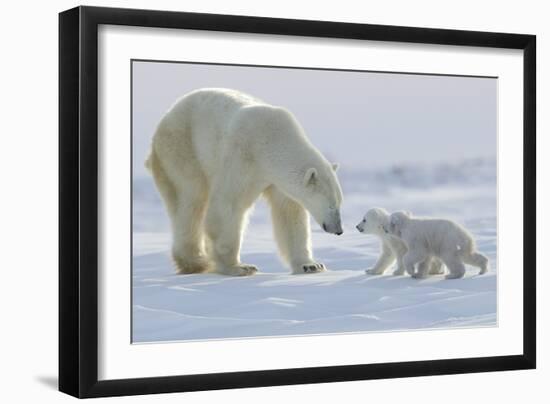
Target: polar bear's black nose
[[339, 233]]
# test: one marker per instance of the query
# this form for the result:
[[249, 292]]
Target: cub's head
[[374, 221], [396, 222], [321, 195]]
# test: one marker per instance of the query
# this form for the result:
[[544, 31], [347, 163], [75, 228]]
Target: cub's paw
[[454, 276], [419, 275], [374, 271], [310, 268]]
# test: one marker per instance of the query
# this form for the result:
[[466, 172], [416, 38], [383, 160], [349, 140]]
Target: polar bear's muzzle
[[337, 230], [333, 226]]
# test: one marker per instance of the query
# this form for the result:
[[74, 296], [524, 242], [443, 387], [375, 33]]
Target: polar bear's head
[[374, 221], [396, 222], [321, 195]]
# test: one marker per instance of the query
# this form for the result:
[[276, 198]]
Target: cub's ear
[[395, 222], [407, 213], [335, 166], [311, 176]]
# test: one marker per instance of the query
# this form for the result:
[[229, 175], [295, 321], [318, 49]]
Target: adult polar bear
[[213, 154]]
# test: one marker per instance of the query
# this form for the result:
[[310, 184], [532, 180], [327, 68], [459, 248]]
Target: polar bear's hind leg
[[186, 212], [188, 228]]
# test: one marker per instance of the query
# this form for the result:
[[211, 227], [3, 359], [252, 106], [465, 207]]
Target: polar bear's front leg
[[292, 232], [224, 226]]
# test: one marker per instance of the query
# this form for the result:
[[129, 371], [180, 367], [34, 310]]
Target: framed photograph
[[251, 201]]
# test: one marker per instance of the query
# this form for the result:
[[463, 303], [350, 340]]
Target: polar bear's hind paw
[[239, 270], [194, 266], [247, 270]]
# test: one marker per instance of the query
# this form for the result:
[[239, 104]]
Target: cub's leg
[[292, 232], [431, 265], [384, 261], [455, 265], [229, 202], [413, 257], [399, 251], [436, 266]]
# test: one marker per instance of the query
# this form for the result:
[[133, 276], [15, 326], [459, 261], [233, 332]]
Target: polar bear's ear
[[335, 166], [311, 176]]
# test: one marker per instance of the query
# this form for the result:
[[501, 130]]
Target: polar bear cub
[[441, 238], [393, 248]]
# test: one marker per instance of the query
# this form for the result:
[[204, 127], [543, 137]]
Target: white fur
[[213, 154], [441, 238], [393, 248]]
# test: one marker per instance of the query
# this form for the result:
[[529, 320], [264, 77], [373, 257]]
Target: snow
[[170, 307]]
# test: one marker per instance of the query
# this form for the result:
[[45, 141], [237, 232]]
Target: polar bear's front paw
[[374, 271], [313, 268], [309, 268]]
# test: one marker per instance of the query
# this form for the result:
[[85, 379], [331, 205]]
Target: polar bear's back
[[221, 99], [197, 126], [209, 111], [211, 128]]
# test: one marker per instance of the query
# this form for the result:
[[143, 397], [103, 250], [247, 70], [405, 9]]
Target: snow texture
[[170, 307]]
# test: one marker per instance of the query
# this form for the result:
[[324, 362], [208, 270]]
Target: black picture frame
[[78, 201]]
